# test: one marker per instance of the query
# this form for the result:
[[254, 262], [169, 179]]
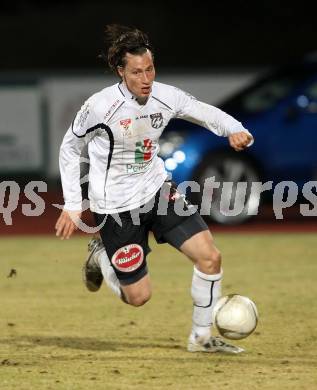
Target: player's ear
[[120, 71]]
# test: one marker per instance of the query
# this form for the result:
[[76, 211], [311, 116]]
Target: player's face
[[138, 74]]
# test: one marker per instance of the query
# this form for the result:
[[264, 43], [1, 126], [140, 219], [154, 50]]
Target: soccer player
[[128, 184]]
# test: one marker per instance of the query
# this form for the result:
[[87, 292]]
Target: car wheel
[[235, 200]]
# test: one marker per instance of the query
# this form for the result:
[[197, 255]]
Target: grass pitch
[[56, 335]]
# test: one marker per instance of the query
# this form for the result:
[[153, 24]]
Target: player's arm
[[69, 162], [214, 119]]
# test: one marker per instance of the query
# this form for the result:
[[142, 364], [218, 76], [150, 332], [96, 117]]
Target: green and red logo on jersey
[[143, 150]]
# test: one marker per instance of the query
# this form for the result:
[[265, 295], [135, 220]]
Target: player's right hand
[[240, 140], [67, 223]]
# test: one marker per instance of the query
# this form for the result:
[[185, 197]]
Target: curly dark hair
[[121, 40]]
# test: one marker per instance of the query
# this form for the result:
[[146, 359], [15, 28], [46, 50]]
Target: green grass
[[56, 335]]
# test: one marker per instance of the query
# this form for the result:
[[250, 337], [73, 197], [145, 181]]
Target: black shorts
[[125, 235]]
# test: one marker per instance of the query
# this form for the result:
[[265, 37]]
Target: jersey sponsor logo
[[111, 109], [126, 126], [142, 117], [143, 150], [156, 120], [138, 167], [125, 123], [82, 115], [128, 258]]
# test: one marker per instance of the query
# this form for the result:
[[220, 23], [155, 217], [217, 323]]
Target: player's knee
[[210, 262], [139, 299]]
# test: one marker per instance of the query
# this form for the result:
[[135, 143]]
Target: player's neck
[[140, 100]]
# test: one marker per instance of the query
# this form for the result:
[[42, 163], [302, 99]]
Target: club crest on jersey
[[143, 150], [156, 120], [128, 258], [125, 124]]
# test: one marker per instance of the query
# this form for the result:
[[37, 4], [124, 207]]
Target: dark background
[[190, 35]]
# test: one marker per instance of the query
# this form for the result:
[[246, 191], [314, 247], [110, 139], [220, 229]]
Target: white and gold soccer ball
[[235, 316]]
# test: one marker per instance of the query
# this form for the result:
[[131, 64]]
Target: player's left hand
[[67, 223], [239, 141]]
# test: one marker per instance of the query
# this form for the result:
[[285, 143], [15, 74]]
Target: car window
[[266, 92], [266, 96]]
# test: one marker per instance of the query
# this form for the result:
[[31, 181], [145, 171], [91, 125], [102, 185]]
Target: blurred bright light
[[169, 143], [166, 148], [302, 101], [170, 164], [179, 156]]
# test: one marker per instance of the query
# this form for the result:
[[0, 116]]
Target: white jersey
[[125, 169]]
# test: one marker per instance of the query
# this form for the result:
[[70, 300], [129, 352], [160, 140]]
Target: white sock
[[108, 273], [206, 290]]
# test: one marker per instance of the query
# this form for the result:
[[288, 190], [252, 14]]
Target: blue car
[[280, 109]]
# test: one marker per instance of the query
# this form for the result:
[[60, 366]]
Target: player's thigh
[[186, 233], [193, 238], [178, 221], [126, 246], [199, 245]]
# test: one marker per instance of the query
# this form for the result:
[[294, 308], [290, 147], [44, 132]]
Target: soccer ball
[[235, 316]]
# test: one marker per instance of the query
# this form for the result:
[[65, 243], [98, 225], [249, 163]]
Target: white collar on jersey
[[126, 92]]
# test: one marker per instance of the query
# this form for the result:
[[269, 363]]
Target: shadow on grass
[[171, 350], [91, 344], [88, 343]]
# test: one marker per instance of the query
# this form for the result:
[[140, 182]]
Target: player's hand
[[239, 141], [67, 223]]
